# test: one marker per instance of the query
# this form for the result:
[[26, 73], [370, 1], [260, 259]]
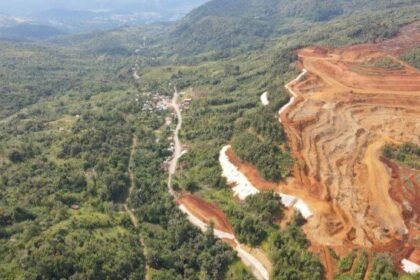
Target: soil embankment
[[201, 213], [245, 180], [206, 212]]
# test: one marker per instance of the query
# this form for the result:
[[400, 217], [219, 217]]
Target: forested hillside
[[69, 116], [222, 26], [71, 109]]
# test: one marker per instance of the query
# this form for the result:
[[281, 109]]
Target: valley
[[269, 140]]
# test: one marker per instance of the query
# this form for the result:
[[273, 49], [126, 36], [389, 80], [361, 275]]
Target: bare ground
[[345, 111]]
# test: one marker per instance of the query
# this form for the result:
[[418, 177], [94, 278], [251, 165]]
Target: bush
[[291, 260], [382, 268], [407, 153], [347, 262]]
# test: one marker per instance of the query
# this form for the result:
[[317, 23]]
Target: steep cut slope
[[352, 102]]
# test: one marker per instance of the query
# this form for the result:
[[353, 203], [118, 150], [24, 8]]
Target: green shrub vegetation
[[407, 153], [291, 260], [176, 249], [382, 268], [355, 260], [361, 267], [253, 219], [347, 262], [412, 57], [70, 107], [260, 140], [387, 63]]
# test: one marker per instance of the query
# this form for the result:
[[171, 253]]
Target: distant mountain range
[[30, 7], [43, 19]]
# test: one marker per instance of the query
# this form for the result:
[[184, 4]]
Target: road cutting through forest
[[130, 212], [177, 144], [200, 213], [294, 95], [343, 110]]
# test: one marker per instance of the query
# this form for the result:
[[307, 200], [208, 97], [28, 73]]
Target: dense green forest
[[63, 170], [259, 141], [223, 27], [176, 249], [64, 162], [69, 109]]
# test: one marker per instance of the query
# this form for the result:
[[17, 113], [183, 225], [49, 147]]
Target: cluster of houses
[[155, 102], [167, 162], [185, 104]]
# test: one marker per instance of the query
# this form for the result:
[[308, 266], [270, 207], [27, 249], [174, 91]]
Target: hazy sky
[[34, 6]]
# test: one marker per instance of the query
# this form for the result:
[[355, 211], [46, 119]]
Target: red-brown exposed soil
[[206, 212], [251, 173], [405, 189], [415, 256], [351, 103]]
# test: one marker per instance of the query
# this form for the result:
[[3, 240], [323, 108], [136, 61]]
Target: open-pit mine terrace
[[349, 104]]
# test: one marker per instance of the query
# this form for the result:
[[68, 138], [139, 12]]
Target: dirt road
[[177, 144], [136, 75], [201, 213], [190, 205], [378, 184], [292, 92], [130, 213]]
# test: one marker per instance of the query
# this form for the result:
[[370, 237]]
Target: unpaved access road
[[201, 213], [292, 92], [257, 268], [177, 144], [130, 213]]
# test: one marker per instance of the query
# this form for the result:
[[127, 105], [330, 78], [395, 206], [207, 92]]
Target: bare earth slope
[[351, 102]]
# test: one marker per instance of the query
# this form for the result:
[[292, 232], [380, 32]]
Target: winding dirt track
[[201, 213], [178, 149], [130, 213], [351, 102]]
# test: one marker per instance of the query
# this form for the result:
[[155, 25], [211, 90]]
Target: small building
[[75, 206]]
